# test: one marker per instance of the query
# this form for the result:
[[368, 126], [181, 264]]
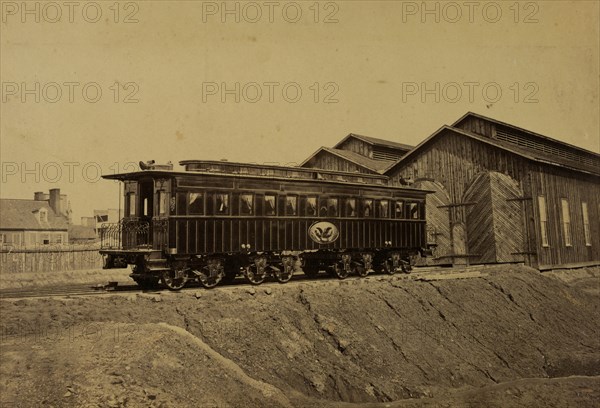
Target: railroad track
[[425, 274], [69, 290], [127, 287]]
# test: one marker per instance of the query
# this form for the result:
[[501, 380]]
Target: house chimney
[[54, 201], [65, 207], [39, 196]]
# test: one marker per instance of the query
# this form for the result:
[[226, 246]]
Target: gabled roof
[[18, 214], [376, 166], [528, 132], [536, 156], [376, 141]]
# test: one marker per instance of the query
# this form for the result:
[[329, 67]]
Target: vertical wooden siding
[[555, 184], [357, 146], [477, 125], [328, 161]]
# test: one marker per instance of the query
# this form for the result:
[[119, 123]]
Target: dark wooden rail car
[[217, 218]]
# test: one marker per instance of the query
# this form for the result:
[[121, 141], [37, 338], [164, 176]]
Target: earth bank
[[502, 336]]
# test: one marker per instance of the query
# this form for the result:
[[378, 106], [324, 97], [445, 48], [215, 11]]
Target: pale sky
[[372, 61]]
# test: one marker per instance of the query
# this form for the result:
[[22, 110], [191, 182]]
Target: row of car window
[[268, 204]]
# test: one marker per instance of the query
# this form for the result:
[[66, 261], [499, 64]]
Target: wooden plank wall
[[555, 184], [55, 258], [357, 146], [328, 161], [479, 126]]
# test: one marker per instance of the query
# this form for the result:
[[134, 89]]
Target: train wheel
[[339, 271], [207, 281], [256, 272], [367, 265], [388, 268], [175, 279], [284, 274], [211, 274], [361, 271], [254, 276]]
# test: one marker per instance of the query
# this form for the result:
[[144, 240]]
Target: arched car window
[[311, 206], [384, 208], [196, 203], [270, 205], [399, 210], [413, 211], [367, 208], [351, 207], [247, 204], [332, 207], [291, 205], [221, 203]]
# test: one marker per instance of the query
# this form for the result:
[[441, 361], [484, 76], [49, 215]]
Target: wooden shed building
[[506, 194], [358, 154]]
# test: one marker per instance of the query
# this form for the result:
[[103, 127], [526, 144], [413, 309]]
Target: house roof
[[528, 132], [376, 141], [533, 155], [81, 232], [376, 166], [18, 214]]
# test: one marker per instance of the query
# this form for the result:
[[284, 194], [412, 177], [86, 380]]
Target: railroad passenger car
[[219, 219]]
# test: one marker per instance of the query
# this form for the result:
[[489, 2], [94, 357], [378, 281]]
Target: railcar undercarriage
[[151, 267]]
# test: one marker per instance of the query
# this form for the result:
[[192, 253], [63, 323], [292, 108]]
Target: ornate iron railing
[[125, 234]]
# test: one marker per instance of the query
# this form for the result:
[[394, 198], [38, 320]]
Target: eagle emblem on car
[[323, 232]]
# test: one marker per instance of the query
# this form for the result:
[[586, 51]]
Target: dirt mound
[[129, 365], [429, 341]]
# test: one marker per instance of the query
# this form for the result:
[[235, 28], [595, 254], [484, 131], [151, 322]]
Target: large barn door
[[508, 218], [494, 219], [480, 220], [438, 223]]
